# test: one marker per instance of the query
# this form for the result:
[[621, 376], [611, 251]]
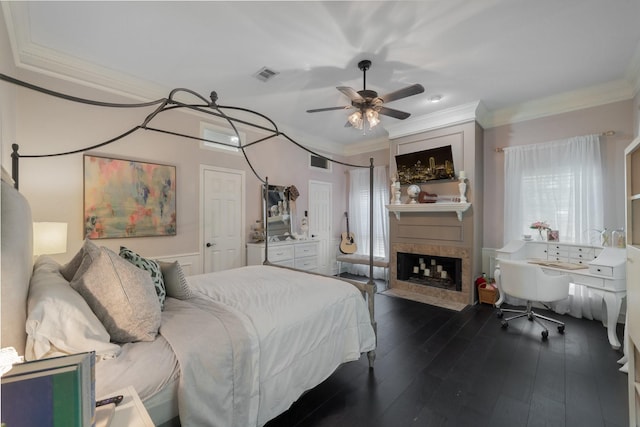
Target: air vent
[[319, 162], [265, 74]]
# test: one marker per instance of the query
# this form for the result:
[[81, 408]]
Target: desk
[[604, 272]]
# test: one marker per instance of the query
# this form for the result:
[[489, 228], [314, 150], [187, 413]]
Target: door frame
[[243, 234]]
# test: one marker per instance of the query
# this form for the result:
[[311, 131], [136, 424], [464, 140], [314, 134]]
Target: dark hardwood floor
[[437, 367]]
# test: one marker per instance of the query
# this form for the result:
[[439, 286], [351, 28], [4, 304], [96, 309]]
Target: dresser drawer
[[308, 263], [280, 253], [306, 249]]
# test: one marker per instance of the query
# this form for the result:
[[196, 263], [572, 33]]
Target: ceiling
[[520, 59]]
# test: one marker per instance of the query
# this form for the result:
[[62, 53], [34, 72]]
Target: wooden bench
[[364, 260]]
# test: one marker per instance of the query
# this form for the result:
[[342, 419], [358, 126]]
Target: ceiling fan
[[368, 104]]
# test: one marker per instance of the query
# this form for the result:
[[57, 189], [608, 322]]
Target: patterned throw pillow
[[148, 265]]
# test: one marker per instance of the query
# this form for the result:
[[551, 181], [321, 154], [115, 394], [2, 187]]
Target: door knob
[[210, 244]]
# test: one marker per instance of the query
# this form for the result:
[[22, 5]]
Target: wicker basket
[[487, 295]]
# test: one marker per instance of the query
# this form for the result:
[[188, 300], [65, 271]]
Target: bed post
[[265, 194], [15, 164], [371, 285]]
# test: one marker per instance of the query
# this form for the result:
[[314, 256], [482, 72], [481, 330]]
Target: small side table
[[130, 412]]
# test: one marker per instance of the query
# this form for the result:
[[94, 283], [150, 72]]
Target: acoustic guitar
[[347, 244]]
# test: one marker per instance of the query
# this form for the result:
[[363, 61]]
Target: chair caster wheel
[[499, 314], [561, 329], [505, 324], [545, 335], [530, 317]]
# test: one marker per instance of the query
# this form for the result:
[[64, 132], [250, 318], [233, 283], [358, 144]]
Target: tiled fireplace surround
[[462, 296]]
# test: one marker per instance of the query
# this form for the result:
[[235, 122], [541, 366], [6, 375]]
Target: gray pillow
[[148, 265], [122, 296], [174, 280], [87, 252]]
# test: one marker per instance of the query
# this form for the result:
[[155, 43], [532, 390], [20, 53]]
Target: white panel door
[[320, 222], [222, 218]]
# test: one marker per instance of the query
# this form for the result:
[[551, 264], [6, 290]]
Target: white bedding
[[299, 327], [248, 344]]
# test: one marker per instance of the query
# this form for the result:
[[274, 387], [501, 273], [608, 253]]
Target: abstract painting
[[127, 198]]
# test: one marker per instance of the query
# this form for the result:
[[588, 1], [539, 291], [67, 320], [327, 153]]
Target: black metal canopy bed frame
[[208, 107]]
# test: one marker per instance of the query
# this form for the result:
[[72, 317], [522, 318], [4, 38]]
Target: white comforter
[[255, 338]]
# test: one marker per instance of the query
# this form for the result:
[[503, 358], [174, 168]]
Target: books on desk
[[558, 264], [59, 391]]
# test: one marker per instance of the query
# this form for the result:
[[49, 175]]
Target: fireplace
[[454, 286], [430, 270]]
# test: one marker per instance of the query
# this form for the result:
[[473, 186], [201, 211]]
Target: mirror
[[278, 212]]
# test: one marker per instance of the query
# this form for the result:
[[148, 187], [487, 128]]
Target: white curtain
[[560, 183], [359, 216], [557, 182]]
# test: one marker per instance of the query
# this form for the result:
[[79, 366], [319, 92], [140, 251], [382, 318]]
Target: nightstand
[[130, 412]]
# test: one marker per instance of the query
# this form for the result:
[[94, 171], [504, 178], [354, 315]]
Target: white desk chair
[[528, 282]]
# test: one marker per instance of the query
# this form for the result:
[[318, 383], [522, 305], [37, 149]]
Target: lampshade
[[49, 238], [357, 120]]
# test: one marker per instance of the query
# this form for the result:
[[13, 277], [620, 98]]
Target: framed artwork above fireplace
[[426, 165]]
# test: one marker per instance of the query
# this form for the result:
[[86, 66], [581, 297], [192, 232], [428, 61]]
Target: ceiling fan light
[[372, 118], [356, 120]]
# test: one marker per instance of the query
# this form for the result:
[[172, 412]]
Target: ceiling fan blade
[[317, 110], [396, 114], [403, 93], [351, 93]]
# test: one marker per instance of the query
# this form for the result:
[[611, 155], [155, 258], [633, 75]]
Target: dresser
[[300, 254], [604, 271]]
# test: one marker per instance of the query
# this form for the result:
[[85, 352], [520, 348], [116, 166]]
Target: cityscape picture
[[427, 165]]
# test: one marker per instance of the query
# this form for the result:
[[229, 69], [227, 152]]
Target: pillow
[[174, 280], [122, 296], [148, 265], [59, 320], [87, 252]]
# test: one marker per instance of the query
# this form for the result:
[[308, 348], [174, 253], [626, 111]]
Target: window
[[219, 138], [557, 182]]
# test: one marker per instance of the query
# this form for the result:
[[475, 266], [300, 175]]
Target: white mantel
[[458, 208]]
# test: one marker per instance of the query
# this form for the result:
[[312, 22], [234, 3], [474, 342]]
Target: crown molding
[[366, 147], [33, 57], [633, 71], [473, 111], [619, 90]]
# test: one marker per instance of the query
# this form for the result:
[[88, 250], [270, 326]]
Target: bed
[[233, 348], [237, 350]]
